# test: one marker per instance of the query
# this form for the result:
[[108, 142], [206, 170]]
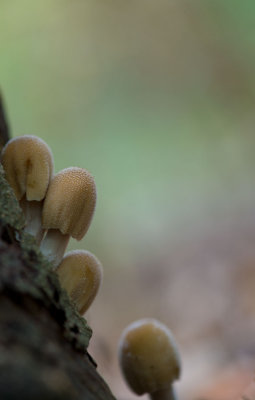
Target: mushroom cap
[[148, 356], [80, 274], [28, 164], [70, 202]]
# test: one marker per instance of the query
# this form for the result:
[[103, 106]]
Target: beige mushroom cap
[[80, 274], [70, 202], [28, 164], [148, 356]]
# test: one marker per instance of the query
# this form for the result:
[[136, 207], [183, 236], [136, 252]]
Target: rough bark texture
[[4, 127], [43, 340]]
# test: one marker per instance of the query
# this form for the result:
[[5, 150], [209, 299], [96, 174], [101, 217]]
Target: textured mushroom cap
[[28, 164], [70, 202], [148, 356], [80, 274]]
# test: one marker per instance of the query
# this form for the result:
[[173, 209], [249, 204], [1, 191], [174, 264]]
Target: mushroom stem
[[53, 246], [164, 394], [33, 215]]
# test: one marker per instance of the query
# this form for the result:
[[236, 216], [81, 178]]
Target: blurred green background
[[156, 99]]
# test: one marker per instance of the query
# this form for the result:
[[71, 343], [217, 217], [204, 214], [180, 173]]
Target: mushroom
[[67, 210], [80, 274], [149, 359], [28, 164]]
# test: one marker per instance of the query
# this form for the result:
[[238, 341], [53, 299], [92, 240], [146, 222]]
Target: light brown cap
[[70, 202], [80, 274], [148, 356], [28, 164]]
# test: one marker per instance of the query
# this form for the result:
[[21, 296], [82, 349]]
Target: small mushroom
[[80, 274], [67, 210], [28, 164], [149, 359]]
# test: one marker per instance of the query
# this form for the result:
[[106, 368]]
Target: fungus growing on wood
[[80, 274], [67, 210], [28, 164], [149, 359]]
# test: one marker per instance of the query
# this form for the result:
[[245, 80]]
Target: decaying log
[[43, 340]]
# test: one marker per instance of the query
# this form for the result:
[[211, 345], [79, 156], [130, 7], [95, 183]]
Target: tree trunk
[[4, 127], [43, 340]]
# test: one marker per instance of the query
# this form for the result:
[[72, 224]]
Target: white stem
[[164, 394], [53, 245], [33, 215]]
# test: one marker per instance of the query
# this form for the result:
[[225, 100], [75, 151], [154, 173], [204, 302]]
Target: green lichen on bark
[[10, 212]]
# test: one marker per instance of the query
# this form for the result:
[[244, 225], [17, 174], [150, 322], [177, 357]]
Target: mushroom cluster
[[56, 207], [61, 206]]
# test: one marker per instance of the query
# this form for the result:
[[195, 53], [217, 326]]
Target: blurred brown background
[[156, 99]]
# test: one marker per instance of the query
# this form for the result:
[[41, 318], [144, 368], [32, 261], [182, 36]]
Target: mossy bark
[[43, 340]]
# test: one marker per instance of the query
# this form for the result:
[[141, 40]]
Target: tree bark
[[43, 340], [4, 127]]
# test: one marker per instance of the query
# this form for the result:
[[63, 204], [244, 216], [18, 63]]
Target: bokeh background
[[156, 98]]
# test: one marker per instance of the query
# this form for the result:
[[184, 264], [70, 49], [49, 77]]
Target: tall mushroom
[[149, 359], [80, 274], [67, 210], [28, 164]]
